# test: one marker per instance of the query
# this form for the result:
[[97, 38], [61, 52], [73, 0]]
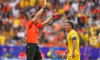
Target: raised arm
[[49, 19], [39, 13]]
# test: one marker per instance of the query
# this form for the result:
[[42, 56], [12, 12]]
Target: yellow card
[[45, 1]]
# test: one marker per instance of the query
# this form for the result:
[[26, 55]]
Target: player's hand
[[73, 55], [57, 13], [44, 4], [64, 56]]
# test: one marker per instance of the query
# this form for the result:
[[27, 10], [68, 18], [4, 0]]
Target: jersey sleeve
[[39, 25], [29, 23], [73, 35]]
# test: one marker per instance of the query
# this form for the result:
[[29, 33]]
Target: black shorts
[[32, 52]]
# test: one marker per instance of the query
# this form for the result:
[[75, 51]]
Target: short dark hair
[[72, 25], [32, 16]]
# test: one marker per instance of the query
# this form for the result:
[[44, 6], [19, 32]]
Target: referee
[[32, 49]]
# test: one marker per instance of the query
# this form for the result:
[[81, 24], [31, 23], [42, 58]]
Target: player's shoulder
[[73, 31]]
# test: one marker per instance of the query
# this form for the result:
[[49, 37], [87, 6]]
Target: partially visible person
[[22, 55], [32, 49], [73, 43], [98, 41], [4, 53]]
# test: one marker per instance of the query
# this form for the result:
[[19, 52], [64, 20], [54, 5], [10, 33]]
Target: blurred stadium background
[[14, 15]]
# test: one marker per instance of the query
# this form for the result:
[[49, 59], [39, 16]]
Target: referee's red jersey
[[32, 32]]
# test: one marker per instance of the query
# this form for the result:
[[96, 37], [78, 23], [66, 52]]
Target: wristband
[[43, 7], [53, 16]]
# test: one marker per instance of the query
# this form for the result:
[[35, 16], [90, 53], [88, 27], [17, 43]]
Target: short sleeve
[[74, 36], [29, 23], [39, 25]]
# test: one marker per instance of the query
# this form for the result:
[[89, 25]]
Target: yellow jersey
[[72, 35]]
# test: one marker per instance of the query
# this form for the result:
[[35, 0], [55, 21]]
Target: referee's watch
[[43, 7], [53, 16]]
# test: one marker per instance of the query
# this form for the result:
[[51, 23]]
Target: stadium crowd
[[85, 14]]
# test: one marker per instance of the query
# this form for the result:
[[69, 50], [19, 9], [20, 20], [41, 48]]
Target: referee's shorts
[[32, 52]]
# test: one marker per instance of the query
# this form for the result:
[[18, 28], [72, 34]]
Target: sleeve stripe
[[74, 38]]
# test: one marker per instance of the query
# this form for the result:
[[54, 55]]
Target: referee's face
[[67, 27], [37, 21]]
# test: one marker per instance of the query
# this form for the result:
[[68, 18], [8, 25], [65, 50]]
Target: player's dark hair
[[72, 25], [32, 16]]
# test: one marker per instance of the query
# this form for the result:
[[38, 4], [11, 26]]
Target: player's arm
[[39, 13], [74, 46], [65, 53], [49, 19]]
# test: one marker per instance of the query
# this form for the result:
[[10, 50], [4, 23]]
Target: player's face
[[67, 27]]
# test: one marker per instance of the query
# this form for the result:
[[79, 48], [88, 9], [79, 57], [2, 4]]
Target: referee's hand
[[44, 4]]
